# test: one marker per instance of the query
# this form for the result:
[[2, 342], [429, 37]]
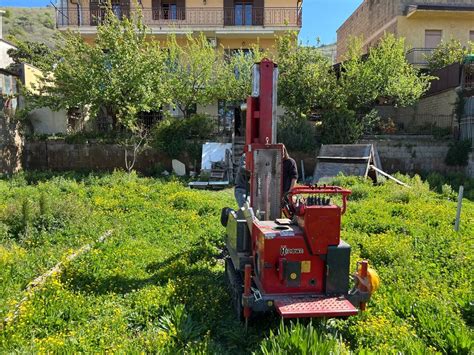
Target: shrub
[[341, 127], [172, 135], [297, 133], [448, 52], [458, 153]]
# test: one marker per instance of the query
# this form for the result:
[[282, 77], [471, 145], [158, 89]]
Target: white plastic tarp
[[213, 153]]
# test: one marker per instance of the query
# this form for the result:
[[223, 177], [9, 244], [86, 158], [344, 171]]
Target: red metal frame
[[323, 190], [290, 268], [293, 307]]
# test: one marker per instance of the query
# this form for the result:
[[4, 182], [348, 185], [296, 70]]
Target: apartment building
[[423, 24], [229, 23]]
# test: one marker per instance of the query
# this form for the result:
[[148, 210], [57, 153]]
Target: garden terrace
[[157, 283]]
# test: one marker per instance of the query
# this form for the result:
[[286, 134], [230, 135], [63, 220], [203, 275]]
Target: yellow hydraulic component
[[367, 278], [374, 280]]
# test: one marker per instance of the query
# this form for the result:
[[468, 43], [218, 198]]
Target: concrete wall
[[453, 25], [45, 121], [410, 154], [5, 59], [375, 17], [60, 156], [406, 154], [435, 110]]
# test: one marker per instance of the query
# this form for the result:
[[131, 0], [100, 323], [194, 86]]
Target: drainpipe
[[1, 23], [79, 12]]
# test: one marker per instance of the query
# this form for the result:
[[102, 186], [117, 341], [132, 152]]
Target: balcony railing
[[419, 56], [188, 17]]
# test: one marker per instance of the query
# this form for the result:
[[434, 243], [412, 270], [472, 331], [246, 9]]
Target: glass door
[[243, 14]]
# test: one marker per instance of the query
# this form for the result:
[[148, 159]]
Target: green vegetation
[[30, 24], [297, 133], [458, 153], [309, 85], [449, 52], [101, 81], [157, 284], [187, 134]]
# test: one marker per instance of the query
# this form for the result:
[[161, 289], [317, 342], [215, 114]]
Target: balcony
[[189, 18], [419, 56]]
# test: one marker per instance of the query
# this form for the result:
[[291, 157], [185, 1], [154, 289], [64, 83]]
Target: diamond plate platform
[[308, 307]]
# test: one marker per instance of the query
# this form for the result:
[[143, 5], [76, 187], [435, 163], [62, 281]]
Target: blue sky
[[321, 18]]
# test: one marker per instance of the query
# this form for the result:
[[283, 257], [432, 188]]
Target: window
[[433, 38], [98, 10], [168, 9], [471, 36], [243, 13]]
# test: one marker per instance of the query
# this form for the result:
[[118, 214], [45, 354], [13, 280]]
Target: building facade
[[424, 24], [230, 24]]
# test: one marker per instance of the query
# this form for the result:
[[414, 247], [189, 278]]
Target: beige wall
[[31, 77], [5, 59], [44, 120], [375, 17], [266, 42], [453, 25]]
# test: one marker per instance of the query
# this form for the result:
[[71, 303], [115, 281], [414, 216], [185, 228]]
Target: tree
[[306, 80], [346, 97], [449, 52], [34, 53], [236, 82], [119, 76], [385, 73], [193, 72]]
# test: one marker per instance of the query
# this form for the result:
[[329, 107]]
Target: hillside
[[329, 50], [32, 24]]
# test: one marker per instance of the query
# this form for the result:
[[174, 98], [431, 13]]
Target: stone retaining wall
[[415, 154], [61, 156], [408, 154]]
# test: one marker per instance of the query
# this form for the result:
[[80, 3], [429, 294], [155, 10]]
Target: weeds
[[157, 284]]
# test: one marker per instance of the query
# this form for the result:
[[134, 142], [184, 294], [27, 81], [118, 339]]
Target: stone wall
[[435, 110], [409, 154], [60, 156], [11, 145]]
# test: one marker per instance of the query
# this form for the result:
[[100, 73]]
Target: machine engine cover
[[282, 261], [238, 239]]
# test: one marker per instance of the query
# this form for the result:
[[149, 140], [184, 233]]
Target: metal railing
[[188, 17], [223, 125], [468, 80], [418, 124], [419, 56]]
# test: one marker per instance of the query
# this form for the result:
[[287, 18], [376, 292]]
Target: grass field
[[157, 283]]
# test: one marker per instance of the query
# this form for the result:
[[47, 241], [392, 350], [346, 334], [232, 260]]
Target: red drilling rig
[[297, 265]]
